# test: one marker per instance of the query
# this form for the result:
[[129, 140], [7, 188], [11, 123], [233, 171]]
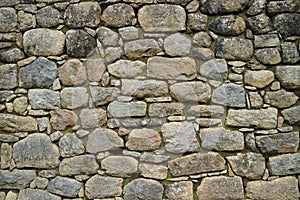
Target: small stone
[[266, 40], [120, 166], [281, 98], [95, 69], [289, 53], [36, 193], [6, 155], [48, 17], [290, 167], [206, 111], [259, 79], [118, 15], [13, 123], [127, 69], [257, 7], [256, 101], [154, 158], [16, 179], [102, 95], [107, 36], [129, 33], [26, 20], [165, 109], [268, 56], [203, 54], [197, 22], [44, 99], [8, 76], [55, 136], [11, 55], [64, 186], [141, 48], [222, 6], [291, 114], [8, 20], [11, 196], [92, 118], [43, 123], [177, 45], [72, 73], [153, 171], [143, 140], [182, 190], [229, 94], [202, 39], [228, 25], [260, 24], [113, 53], [288, 76], [287, 24], [215, 69], [74, 97], [275, 7], [192, 6], [70, 145], [61, 118], [131, 109]]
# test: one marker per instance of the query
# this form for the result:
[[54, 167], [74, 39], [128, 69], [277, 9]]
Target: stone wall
[[149, 99]]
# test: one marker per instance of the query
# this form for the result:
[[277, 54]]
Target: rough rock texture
[[61, 118], [44, 99], [72, 73], [182, 190], [287, 24], [222, 6], [165, 109], [131, 109], [230, 94], [228, 25], [285, 164], [291, 114], [48, 17], [74, 97], [13, 123], [141, 48], [64, 186], [16, 179], [92, 118], [259, 79], [8, 76], [143, 140], [177, 45], [281, 98], [8, 20], [127, 68], [37, 194], [215, 69], [70, 145], [288, 76], [120, 166], [118, 15]]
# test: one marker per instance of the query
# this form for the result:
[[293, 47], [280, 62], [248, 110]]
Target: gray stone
[[206, 111], [292, 114], [202, 39], [39, 74], [177, 45], [287, 24], [74, 97], [222, 6], [129, 33], [72, 73], [48, 17], [8, 138], [118, 15], [107, 36], [70, 145], [162, 18], [228, 25], [41, 183], [95, 69], [26, 21], [102, 95], [84, 14], [36, 151], [103, 139], [113, 53], [28, 194], [288, 76], [260, 24], [141, 48], [256, 7], [8, 20], [221, 139], [182, 190], [20, 104], [92, 118], [103, 187], [78, 165], [196, 163], [14, 123], [64, 186], [197, 22], [281, 98], [127, 69], [263, 118], [268, 56], [61, 118], [143, 140], [130, 109], [203, 54], [165, 109], [6, 155], [16, 179], [153, 171], [266, 40], [286, 164], [11, 55], [221, 187], [275, 7], [44, 99], [229, 94], [8, 76], [280, 188], [152, 157], [256, 101], [120, 166], [289, 53], [249, 165], [259, 79], [180, 137], [9, 2], [215, 69], [278, 143], [143, 189], [43, 42]]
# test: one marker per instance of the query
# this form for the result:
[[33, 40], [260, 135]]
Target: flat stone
[[177, 45], [113, 53], [153, 171], [268, 56], [11, 55], [180, 137], [197, 22], [275, 7], [256, 101], [259, 79], [229, 94], [129, 33], [107, 37], [182, 190], [95, 69], [266, 40], [14, 123], [162, 18], [215, 69], [118, 15], [78, 165], [72, 73], [143, 140], [74, 97], [9, 2], [165, 109], [8, 138], [8, 20], [151, 157], [203, 54], [281, 98], [256, 7], [289, 53], [171, 68], [103, 187], [127, 69], [120, 166], [37, 194], [260, 24], [206, 111], [16, 179], [92, 118], [36, 151], [291, 114], [6, 155], [143, 189], [263, 118], [287, 24], [196, 163], [102, 95], [48, 17], [43, 42], [280, 188], [130, 109], [221, 139], [62, 118], [8, 76], [228, 25], [141, 48], [249, 165], [64, 186], [221, 187], [286, 164], [44, 99], [202, 39], [70, 145], [222, 6], [288, 76]]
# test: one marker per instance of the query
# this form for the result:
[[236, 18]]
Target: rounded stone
[[48, 17], [177, 45], [72, 73], [228, 25], [118, 15], [143, 140]]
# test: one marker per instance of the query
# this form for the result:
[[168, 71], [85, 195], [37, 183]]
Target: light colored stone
[[16, 179], [206, 111], [70, 145], [215, 69], [230, 94], [120, 166], [259, 79], [290, 166], [177, 45], [143, 140], [197, 22], [44, 99], [74, 97], [118, 15], [20, 105], [6, 155], [61, 118], [92, 118], [141, 48], [64, 186], [153, 171], [95, 69], [131, 109], [266, 40], [14, 123], [165, 109], [48, 17], [268, 56], [291, 114], [8, 19], [182, 190], [107, 36], [281, 98], [127, 69], [289, 76], [103, 95], [37, 194], [8, 76], [72, 73]]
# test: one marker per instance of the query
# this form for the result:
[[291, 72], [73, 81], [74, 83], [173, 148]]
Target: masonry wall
[[149, 99]]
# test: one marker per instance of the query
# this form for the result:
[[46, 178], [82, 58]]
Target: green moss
[[126, 181], [64, 29], [67, 130]]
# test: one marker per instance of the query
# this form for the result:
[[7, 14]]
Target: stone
[[72, 73], [260, 24], [266, 40], [222, 6], [202, 39], [62, 118], [143, 189], [11, 195], [206, 111], [103, 187], [287, 24], [141, 48], [120, 166], [291, 114], [259, 79], [182, 190], [162, 18], [171, 68], [215, 69], [6, 155], [130, 109], [256, 7], [153, 171], [14, 123], [234, 49], [232, 25], [196, 163], [80, 44], [78, 165], [280, 188], [70, 145], [36, 151], [113, 53], [221, 187], [129, 33], [278, 143], [256, 101], [37, 194], [16, 179], [221, 139], [180, 137], [127, 69], [203, 54], [8, 20], [26, 20], [286, 164], [281, 98], [107, 36], [95, 69], [48, 17], [84, 14], [262, 118], [275, 7], [118, 15], [288, 76], [229, 94], [177, 45], [9, 2], [11, 55], [43, 42], [197, 22], [165, 109], [74, 97], [8, 76], [268, 56], [289, 53], [102, 95], [44, 99], [92, 118], [249, 165], [143, 140], [155, 158], [64, 186], [103, 139]]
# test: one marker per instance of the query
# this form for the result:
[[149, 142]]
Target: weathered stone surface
[[280, 188], [37, 194], [103, 139], [289, 76], [292, 115], [281, 98], [95, 69], [263, 118], [26, 21], [234, 49], [143, 140], [44, 99], [6, 155], [162, 18], [215, 69], [127, 69], [120, 166], [203, 54], [182, 190], [256, 7], [8, 20], [221, 187], [275, 7], [177, 45], [103, 187], [74, 97], [16, 179], [156, 158], [228, 25], [70, 145], [79, 44], [36, 151], [229, 94], [72, 73], [143, 189], [9, 2], [48, 17], [256, 101], [287, 24], [221, 139], [206, 111], [107, 36], [153, 171], [8, 76], [130, 109], [64, 186], [11, 55], [202, 39], [285, 164], [180, 137], [222, 6], [102, 95], [260, 24], [197, 22], [191, 91], [268, 56], [259, 79], [278, 143], [92, 118], [165, 109], [118, 15], [85, 164], [43, 42], [141, 48], [196, 163], [289, 53], [113, 53], [266, 40], [61, 118], [249, 165]]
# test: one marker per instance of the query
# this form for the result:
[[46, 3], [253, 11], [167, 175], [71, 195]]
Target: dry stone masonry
[[149, 99]]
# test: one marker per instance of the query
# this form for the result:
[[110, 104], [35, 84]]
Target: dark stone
[[11, 55], [222, 6], [48, 17], [287, 24], [228, 25], [260, 24]]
